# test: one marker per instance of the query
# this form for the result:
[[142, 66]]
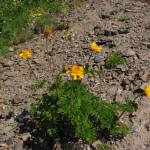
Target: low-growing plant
[[114, 59], [124, 18], [102, 146], [69, 109], [114, 12]]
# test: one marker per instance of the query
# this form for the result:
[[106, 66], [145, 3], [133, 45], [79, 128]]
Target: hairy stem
[[50, 65], [36, 76], [71, 93]]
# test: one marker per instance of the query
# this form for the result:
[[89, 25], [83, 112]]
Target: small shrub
[[124, 18], [114, 12], [114, 59]]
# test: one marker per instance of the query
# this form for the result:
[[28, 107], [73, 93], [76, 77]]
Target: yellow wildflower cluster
[[37, 13], [65, 34]]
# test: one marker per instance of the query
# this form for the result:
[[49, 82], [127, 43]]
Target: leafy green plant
[[114, 12], [68, 109], [124, 18], [102, 146], [114, 59]]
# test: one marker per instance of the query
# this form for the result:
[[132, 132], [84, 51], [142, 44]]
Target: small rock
[[36, 61], [141, 72], [121, 67], [10, 141], [10, 121], [51, 53], [12, 74], [3, 144], [145, 77], [11, 49], [19, 145], [104, 16], [9, 63], [11, 134], [136, 82], [126, 81], [18, 99], [6, 129], [96, 143], [23, 117], [147, 126], [128, 53], [98, 59], [134, 128], [110, 32], [123, 31], [25, 136], [20, 124]]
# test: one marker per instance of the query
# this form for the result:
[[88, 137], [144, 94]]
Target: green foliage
[[89, 113], [102, 146], [91, 71], [114, 59], [114, 12], [39, 85], [124, 18]]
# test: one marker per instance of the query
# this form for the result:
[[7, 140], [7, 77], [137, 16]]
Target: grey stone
[[23, 117], [10, 121], [20, 124], [98, 59], [10, 141], [18, 99], [6, 129], [128, 53], [134, 128], [104, 16], [123, 31], [19, 145], [110, 32], [51, 53], [10, 134]]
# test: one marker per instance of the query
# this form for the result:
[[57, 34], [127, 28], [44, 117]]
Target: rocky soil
[[92, 22]]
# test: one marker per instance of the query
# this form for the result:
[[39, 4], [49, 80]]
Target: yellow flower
[[76, 71], [147, 90], [64, 30], [95, 47], [48, 30], [63, 36], [61, 33], [66, 67], [72, 30], [25, 53], [68, 34]]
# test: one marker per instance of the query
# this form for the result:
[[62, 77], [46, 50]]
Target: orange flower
[[95, 47], [66, 67], [147, 90], [48, 30], [25, 53], [76, 71]]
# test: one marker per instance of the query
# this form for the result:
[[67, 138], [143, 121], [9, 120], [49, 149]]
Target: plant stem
[[71, 93], [50, 65], [100, 89], [90, 56], [132, 101], [36, 76]]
